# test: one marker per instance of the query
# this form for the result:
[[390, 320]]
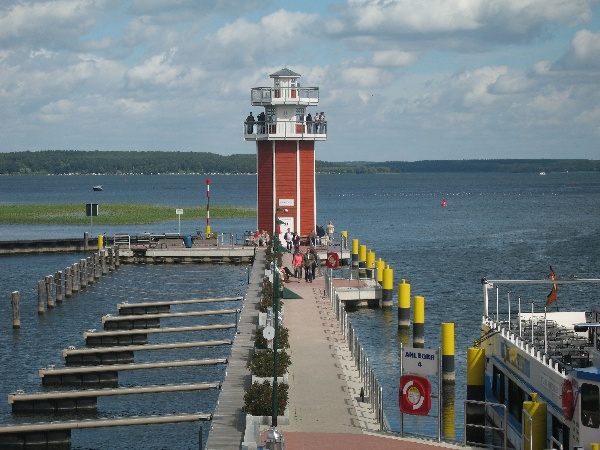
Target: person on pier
[[297, 264]]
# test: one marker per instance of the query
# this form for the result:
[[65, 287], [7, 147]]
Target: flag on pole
[[553, 295]]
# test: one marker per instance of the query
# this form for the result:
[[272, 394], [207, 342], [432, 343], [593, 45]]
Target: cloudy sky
[[399, 79]]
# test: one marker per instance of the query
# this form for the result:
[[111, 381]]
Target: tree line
[[56, 162]]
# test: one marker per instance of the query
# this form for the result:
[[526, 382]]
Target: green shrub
[[261, 363], [257, 399], [282, 335]]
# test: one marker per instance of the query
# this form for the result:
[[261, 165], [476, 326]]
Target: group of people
[[258, 238], [292, 240], [302, 262], [316, 125]]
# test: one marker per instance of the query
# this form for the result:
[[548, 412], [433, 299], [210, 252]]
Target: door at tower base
[[288, 222]]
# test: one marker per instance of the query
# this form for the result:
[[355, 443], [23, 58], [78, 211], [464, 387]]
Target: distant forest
[[57, 162]]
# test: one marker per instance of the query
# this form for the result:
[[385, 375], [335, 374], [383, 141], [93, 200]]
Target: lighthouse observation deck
[[285, 130], [264, 96]]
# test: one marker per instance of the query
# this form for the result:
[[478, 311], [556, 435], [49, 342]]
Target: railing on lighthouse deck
[[284, 96], [285, 129]]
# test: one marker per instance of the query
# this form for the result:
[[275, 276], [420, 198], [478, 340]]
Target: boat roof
[[588, 373]]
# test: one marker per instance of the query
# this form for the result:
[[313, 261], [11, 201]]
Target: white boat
[[542, 173], [554, 354], [97, 187]]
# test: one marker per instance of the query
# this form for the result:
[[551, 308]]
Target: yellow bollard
[[207, 233], [370, 263], [362, 261], [388, 287], [380, 267], [448, 351], [404, 305], [475, 413], [100, 242], [355, 257], [534, 423], [419, 322]]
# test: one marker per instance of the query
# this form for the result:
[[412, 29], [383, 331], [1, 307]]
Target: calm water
[[495, 225]]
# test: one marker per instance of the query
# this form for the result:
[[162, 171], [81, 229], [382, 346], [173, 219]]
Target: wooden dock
[[229, 420], [140, 336], [87, 399], [156, 307], [143, 321]]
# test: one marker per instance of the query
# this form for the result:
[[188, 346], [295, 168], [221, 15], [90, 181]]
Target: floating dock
[[164, 306], [143, 321]]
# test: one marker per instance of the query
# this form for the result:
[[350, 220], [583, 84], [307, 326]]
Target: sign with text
[[91, 209], [419, 361], [286, 202], [179, 211]]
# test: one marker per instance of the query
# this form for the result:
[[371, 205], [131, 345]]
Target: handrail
[[486, 427], [284, 128], [289, 94]]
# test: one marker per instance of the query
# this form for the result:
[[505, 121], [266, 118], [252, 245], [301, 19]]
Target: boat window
[[590, 405], [516, 397], [498, 385], [560, 433]]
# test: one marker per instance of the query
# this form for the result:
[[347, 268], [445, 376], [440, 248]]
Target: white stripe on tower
[[274, 194], [298, 228]]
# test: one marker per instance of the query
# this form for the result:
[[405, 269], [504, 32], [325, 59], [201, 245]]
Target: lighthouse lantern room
[[285, 134]]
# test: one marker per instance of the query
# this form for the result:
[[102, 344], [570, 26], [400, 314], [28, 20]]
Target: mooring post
[[200, 446], [85, 241], [83, 277], [75, 270], [117, 262], [97, 271], [49, 297], [58, 281], [41, 293], [89, 269], [103, 262], [15, 299], [68, 282], [111, 259]]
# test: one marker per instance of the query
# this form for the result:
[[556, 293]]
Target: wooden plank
[[110, 318], [132, 366], [16, 397], [132, 348], [100, 423], [87, 334], [177, 302]]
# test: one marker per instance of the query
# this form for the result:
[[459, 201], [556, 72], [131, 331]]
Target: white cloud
[[161, 70], [366, 76], [509, 83], [394, 58], [584, 52]]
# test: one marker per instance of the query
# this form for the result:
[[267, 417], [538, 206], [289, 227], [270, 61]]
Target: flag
[[553, 295]]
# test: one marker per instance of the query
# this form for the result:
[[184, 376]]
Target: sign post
[[91, 210], [179, 212]]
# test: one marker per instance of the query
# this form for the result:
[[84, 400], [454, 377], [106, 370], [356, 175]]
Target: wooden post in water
[[75, 271], [97, 271], [58, 281], [15, 298], [117, 262], [83, 278], [49, 287], [41, 291], [111, 259], [89, 268], [103, 262], [68, 282]]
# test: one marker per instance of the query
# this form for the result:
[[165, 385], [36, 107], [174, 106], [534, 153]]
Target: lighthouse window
[[590, 405]]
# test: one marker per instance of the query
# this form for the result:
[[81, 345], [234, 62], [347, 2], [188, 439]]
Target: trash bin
[[187, 241], [274, 440]]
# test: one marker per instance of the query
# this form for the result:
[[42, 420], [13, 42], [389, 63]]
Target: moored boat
[[97, 187], [550, 359]]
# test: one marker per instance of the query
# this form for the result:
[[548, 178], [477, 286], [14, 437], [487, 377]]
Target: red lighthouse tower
[[285, 135]]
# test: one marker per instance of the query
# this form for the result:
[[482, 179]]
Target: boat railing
[[485, 427], [371, 390], [527, 437], [122, 240]]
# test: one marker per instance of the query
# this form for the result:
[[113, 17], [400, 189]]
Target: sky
[[399, 79]]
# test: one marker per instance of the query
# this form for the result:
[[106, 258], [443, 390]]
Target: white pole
[[497, 302], [545, 331], [508, 297], [520, 317], [401, 370], [532, 323], [179, 224], [485, 298]]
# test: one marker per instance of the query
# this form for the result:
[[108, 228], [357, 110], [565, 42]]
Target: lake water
[[495, 225]]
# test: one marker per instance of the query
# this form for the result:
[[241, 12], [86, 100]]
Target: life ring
[[568, 399], [415, 395], [333, 260]]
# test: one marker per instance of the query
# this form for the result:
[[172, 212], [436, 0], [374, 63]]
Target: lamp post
[[276, 296]]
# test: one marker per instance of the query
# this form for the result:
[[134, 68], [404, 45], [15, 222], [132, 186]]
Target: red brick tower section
[[285, 135]]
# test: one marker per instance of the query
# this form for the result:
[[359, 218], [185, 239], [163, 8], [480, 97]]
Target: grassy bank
[[110, 214]]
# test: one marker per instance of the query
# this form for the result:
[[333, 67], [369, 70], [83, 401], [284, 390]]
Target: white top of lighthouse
[[285, 116]]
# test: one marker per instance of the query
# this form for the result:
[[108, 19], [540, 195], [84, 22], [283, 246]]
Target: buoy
[[444, 203]]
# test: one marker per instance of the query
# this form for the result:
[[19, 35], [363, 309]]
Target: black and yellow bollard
[[475, 413], [404, 305], [448, 410], [355, 258], [387, 287], [380, 267], [419, 322], [534, 423], [362, 261], [370, 264], [448, 373]]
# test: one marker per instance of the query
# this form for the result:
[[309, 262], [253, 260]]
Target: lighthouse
[[285, 133]]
